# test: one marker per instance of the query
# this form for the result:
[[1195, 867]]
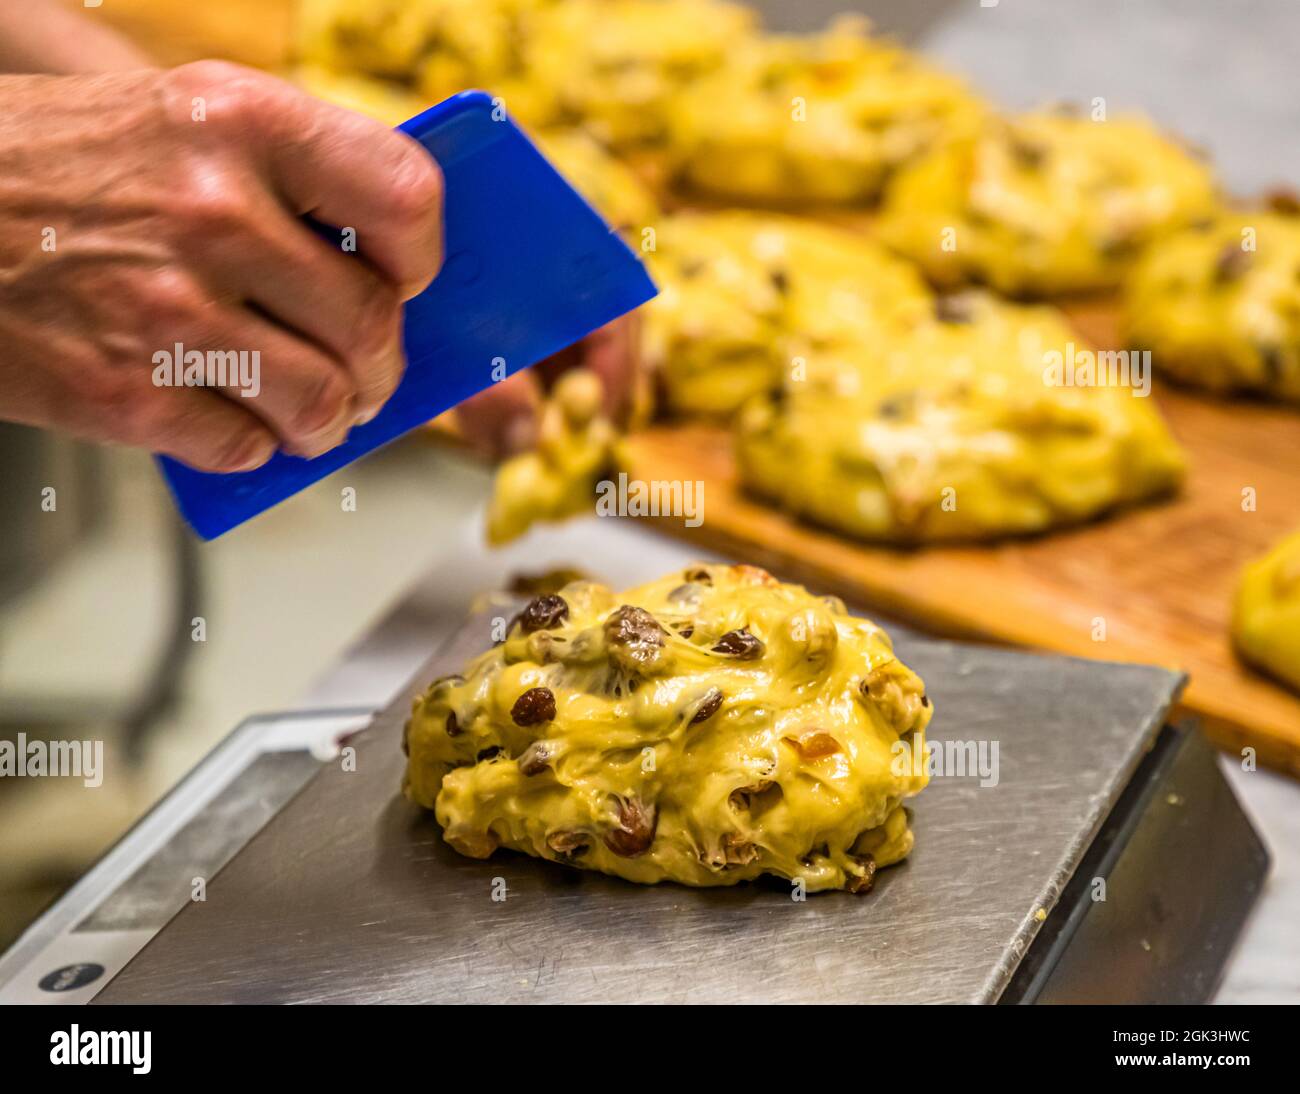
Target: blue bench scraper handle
[[530, 268]]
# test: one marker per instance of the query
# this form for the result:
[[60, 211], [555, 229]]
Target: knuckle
[[327, 398], [377, 321], [237, 449], [385, 383], [378, 389], [148, 417], [213, 205], [392, 378], [231, 90], [416, 184], [114, 395], [171, 300], [208, 73], [131, 346], [107, 389]]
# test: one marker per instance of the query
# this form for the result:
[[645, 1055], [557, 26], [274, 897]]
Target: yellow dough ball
[[438, 47], [1043, 204], [1218, 304], [612, 65], [1266, 618], [821, 118], [707, 728], [613, 188], [744, 295], [374, 37], [969, 426]]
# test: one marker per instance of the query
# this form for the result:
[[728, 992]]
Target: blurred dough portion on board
[[369, 37], [1043, 204], [613, 188], [742, 294], [820, 118], [1218, 304], [438, 47], [707, 728], [612, 65], [951, 431], [1266, 618]]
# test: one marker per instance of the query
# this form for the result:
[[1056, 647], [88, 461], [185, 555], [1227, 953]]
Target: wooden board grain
[[1160, 577]]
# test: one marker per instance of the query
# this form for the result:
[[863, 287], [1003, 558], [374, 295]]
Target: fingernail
[[320, 442], [257, 456], [390, 367]]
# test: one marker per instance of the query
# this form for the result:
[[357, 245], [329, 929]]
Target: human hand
[[142, 210], [503, 420]]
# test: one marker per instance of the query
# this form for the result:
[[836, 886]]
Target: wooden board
[[1161, 577]]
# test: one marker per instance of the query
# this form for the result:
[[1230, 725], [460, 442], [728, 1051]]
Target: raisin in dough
[[1043, 204], [706, 728], [952, 431], [1218, 304], [793, 119], [1266, 619]]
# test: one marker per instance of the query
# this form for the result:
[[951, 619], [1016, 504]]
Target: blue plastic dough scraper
[[530, 268]]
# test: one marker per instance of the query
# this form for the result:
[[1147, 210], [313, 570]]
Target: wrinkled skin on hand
[[139, 210]]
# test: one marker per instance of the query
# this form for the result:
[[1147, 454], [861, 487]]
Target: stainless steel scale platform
[[348, 893]]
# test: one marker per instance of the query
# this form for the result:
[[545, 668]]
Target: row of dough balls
[[874, 407], [1217, 301], [837, 117], [861, 401], [866, 403], [696, 83]]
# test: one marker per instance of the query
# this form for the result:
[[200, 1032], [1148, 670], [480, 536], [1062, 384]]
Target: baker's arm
[[51, 37]]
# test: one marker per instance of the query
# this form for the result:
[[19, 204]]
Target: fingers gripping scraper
[[530, 268]]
